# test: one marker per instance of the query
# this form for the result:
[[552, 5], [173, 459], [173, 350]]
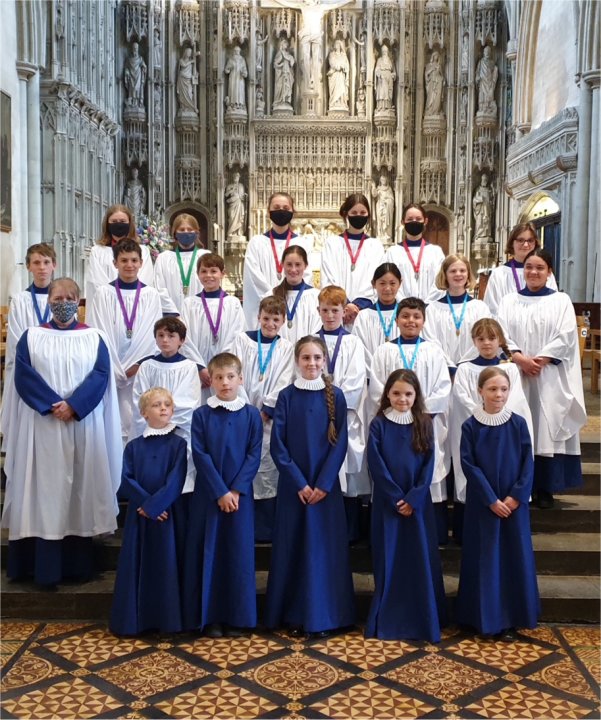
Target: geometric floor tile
[[67, 699], [365, 653], [438, 676], [565, 676], [152, 674], [502, 655], [8, 649], [94, 647], [27, 670], [371, 700], [16, 631], [51, 629], [543, 633], [519, 701], [296, 675], [220, 699], [225, 653]]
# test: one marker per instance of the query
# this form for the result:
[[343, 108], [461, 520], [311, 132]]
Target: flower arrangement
[[153, 232]]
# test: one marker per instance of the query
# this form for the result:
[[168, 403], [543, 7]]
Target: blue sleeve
[[267, 410], [328, 475], [206, 472], [476, 479], [91, 391], [522, 487], [421, 488], [244, 479], [380, 475], [555, 361], [130, 488], [362, 303], [174, 482], [278, 449], [31, 386]]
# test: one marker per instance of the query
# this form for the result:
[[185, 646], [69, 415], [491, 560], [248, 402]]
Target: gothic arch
[[525, 64], [533, 199], [200, 213]]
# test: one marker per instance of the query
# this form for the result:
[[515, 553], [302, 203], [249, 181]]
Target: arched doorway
[[545, 215], [437, 230], [200, 216]]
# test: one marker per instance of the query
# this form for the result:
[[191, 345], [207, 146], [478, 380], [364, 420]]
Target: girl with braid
[[400, 458], [491, 346], [310, 587]]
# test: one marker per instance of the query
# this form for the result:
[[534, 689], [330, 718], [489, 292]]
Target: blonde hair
[[441, 279], [223, 360], [147, 397], [190, 220], [491, 372], [65, 282]]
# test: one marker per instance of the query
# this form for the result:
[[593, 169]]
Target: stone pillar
[[593, 263]]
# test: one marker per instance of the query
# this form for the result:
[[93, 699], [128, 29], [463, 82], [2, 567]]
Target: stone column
[[593, 263]]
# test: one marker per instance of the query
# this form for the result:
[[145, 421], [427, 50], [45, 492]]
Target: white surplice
[[336, 266], [101, 270], [368, 328], [306, 320], [167, 275], [501, 282], [424, 286]]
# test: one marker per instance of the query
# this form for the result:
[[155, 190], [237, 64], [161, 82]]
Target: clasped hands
[[311, 496], [504, 508]]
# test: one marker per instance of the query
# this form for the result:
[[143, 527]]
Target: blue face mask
[[63, 310], [185, 239]]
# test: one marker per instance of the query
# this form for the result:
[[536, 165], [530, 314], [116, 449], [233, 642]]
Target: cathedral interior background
[[487, 112]]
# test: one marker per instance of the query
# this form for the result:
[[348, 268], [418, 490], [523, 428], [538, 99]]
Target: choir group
[[283, 419]]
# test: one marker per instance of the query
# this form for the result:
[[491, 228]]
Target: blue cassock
[[148, 583], [409, 600], [310, 583], [219, 568], [497, 582]]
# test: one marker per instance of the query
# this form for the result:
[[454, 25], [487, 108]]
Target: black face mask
[[280, 217], [357, 221], [414, 228], [118, 229]]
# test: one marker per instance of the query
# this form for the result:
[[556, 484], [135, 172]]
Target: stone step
[[563, 598]]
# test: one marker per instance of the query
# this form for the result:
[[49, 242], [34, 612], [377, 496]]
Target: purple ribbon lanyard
[[516, 279], [214, 326], [332, 361], [129, 320]]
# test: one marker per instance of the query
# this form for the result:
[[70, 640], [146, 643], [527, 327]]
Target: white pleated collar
[[400, 418], [231, 405], [151, 432], [302, 384], [496, 419]]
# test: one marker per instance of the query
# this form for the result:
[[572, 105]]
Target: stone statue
[[236, 69], [487, 74], [135, 194], [283, 63], [134, 78], [310, 37], [434, 80], [235, 197], [384, 197], [482, 206], [385, 75], [259, 102], [187, 80], [338, 78], [157, 50], [465, 53], [360, 103]]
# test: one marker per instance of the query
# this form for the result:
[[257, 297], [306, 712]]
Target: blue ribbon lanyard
[[455, 321], [264, 365], [387, 328], [331, 362], [290, 313], [407, 365], [41, 319]]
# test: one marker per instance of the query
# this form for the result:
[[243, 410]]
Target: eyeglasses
[[520, 241]]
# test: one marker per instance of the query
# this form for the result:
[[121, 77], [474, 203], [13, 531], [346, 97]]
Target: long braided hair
[[329, 385]]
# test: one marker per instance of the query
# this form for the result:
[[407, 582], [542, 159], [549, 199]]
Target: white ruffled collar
[[495, 419], [150, 431], [231, 405], [302, 384], [400, 418]]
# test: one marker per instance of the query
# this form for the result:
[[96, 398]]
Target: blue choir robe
[[219, 565], [147, 586], [497, 583], [310, 583], [409, 599]]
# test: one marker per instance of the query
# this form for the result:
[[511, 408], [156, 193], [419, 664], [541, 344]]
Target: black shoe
[[321, 635], [544, 500], [232, 632], [213, 630], [296, 632]]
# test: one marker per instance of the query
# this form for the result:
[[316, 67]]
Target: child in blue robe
[[409, 600], [147, 586], [310, 587], [219, 575], [497, 582]]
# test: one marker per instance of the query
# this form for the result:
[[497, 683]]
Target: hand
[[528, 365], [305, 494], [350, 313], [228, 503], [317, 495], [500, 509], [542, 361], [63, 411], [143, 513], [131, 371], [404, 508], [265, 417], [511, 503], [205, 378]]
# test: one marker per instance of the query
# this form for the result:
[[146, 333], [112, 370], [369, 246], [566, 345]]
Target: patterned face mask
[[63, 310]]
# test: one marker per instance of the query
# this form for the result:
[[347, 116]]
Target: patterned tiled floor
[[60, 670]]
